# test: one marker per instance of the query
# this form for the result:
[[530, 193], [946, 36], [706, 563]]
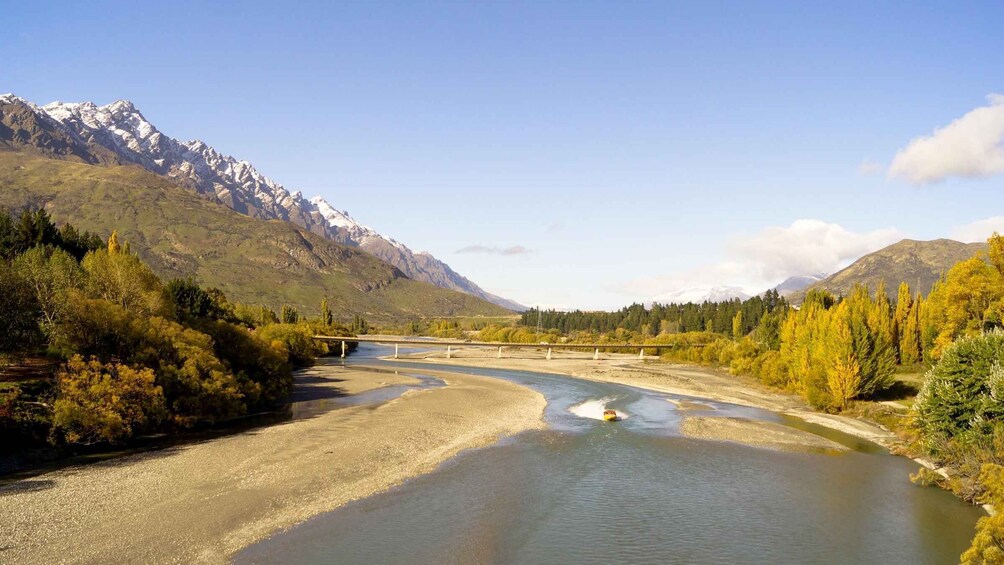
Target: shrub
[[963, 394], [296, 341], [105, 402]]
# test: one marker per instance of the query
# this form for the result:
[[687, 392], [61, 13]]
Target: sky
[[572, 154]]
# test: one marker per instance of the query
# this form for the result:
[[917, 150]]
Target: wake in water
[[594, 409]]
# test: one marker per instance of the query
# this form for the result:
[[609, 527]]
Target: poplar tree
[[113, 243], [904, 305], [326, 317]]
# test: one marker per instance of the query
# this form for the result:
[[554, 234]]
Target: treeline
[[661, 318], [115, 352]]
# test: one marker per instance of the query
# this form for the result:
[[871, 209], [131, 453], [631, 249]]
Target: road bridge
[[450, 344]]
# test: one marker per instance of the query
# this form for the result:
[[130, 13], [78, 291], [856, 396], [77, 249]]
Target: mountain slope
[[180, 233], [918, 263], [120, 129]]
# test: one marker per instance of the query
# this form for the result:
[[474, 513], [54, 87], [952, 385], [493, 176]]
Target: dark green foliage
[[19, 314], [359, 325], [963, 394], [289, 314], [190, 302], [34, 228], [675, 318]]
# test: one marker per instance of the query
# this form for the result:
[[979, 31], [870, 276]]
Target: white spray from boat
[[594, 409]]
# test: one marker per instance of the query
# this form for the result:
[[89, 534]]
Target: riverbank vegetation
[[97, 349]]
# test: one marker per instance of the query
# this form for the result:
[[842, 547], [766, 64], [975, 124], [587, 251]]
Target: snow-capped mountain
[[119, 132], [791, 285], [699, 294]]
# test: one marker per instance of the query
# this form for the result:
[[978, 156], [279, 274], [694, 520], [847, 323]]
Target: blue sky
[[634, 148]]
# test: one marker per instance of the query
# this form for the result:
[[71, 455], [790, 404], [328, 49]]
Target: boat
[[610, 415]]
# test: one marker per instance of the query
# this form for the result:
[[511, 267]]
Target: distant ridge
[[918, 263]]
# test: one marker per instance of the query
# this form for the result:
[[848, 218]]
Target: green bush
[[963, 394]]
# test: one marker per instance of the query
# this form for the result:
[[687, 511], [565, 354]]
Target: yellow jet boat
[[610, 415]]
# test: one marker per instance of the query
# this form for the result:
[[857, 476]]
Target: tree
[[105, 402], [737, 325], [910, 341], [113, 243], [19, 314], [843, 373], [967, 301], [51, 274], [988, 544], [124, 280], [963, 393], [289, 314], [327, 319]]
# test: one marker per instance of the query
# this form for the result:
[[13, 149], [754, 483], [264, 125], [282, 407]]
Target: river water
[[585, 491]]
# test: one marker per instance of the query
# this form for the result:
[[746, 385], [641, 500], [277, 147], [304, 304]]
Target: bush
[[963, 394], [105, 402], [253, 360], [296, 341], [197, 385]]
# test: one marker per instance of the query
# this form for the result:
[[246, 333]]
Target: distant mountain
[[918, 263], [792, 285], [119, 133], [698, 295], [179, 233]]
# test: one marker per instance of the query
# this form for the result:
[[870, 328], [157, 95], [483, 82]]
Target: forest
[[97, 349]]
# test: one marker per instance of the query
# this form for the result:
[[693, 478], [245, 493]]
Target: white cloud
[[759, 261], [979, 230], [971, 146], [489, 250]]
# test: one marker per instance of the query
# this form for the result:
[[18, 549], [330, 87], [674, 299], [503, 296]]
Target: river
[[586, 491]]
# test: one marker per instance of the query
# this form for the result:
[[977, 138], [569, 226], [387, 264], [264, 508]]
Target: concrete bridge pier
[[449, 352], [641, 353], [343, 349], [548, 353], [500, 352], [395, 350], [596, 354]]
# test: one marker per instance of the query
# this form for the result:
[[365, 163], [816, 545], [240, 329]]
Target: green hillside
[[179, 233]]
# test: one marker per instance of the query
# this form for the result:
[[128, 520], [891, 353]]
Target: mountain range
[[180, 232], [118, 133]]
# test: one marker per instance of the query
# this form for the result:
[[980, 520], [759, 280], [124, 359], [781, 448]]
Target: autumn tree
[[124, 280], [105, 402], [737, 325]]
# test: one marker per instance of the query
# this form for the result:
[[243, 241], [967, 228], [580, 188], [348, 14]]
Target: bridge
[[450, 344]]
